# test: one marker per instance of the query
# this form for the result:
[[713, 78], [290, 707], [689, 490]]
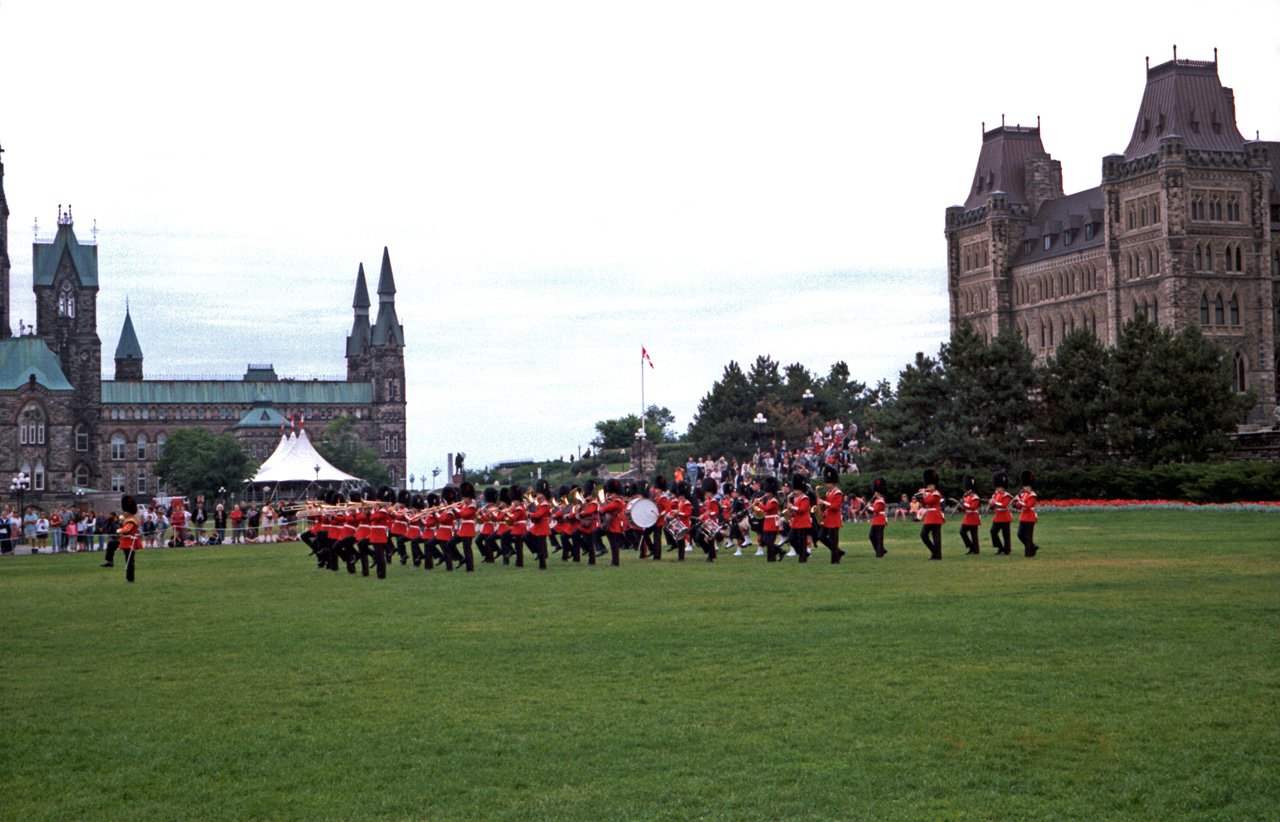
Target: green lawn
[[1130, 671]]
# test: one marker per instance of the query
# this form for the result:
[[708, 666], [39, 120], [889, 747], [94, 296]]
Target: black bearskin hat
[[629, 489], [771, 484], [727, 489], [449, 493], [516, 492], [404, 497], [798, 482], [128, 504], [338, 499], [356, 495], [589, 489], [709, 485], [504, 495], [330, 497], [543, 487], [433, 500], [879, 486], [930, 477], [418, 503], [1000, 479], [682, 489], [367, 492], [968, 482], [830, 475], [467, 490], [386, 494], [491, 495], [642, 488], [1026, 478], [563, 491], [744, 490], [612, 486], [660, 482]]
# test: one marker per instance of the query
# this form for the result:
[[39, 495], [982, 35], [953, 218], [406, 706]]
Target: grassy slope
[[1129, 672]]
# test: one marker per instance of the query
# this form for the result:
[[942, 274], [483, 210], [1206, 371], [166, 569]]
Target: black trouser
[[931, 536], [615, 547], [768, 541], [1026, 535], [129, 560], [830, 537], [467, 557], [381, 551], [1000, 537], [400, 541], [654, 534], [969, 536], [346, 550], [518, 543], [538, 545], [506, 547], [800, 541], [877, 539]]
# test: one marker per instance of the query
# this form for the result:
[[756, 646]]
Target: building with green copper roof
[[70, 428]]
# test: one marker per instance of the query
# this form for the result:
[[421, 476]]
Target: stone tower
[[128, 353], [5, 331], [65, 282], [375, 354]]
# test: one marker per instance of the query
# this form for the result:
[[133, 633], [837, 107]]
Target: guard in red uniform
[[445, 519], [832, 513], [1000, 503], [969, 504], [431, 553], [801, 519], [1026, 505], [769, 510], [879, 519], [708, 532], [540, 522], [931, 499], [398, 543], [518, 519], [127, 538], [658, 493], [465, 531], [588, 523], [613, 512]]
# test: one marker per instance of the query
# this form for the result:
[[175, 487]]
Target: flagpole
[[642, 388]]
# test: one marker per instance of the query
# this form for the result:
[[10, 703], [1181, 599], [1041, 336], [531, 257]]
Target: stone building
[[1184, 228], [67, 428]]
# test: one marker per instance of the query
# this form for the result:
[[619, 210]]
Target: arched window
[[1219, 316], [1042, 337], [117, 446], [67, 301], [1227, 258], [82, 437], [1235, 310], [1204, 309], [1240, 381], [82, 475], [1199, 258], [37, 477], [160, 438], [142, 446], [1155, 311], [1239, 260]]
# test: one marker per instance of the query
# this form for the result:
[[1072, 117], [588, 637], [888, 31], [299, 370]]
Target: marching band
[[365, 527]]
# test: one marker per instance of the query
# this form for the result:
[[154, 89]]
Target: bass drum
[[642, 513]]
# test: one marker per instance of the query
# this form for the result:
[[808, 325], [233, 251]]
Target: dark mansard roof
[[1186, 98], [1002, 164], [1054, 219]]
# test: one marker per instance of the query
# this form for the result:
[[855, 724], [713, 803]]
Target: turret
[[128, 353], [361, 334], [387, 330]]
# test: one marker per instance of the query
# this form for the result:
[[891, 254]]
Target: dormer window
[[1088, 231], [1067, 237], [1048, 242], [1027, 247]]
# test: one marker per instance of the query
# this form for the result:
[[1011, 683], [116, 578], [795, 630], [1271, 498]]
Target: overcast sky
[[558, 183]]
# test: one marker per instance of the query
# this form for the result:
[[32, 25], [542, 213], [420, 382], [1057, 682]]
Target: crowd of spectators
[[69, 529], [832, 443]]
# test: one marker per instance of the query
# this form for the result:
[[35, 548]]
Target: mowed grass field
[[1131, 671]]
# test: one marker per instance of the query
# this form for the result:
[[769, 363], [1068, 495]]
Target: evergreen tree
[[1076, 396], [722, 424]]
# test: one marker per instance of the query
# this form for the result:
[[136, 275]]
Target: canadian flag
[[644, 356]]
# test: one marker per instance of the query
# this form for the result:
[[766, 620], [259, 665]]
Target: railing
[[110, 377]]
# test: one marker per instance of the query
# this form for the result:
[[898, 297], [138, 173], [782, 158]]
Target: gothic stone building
[[1184, 228], [68, 428]]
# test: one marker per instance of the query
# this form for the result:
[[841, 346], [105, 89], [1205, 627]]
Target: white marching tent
[[296, 460]]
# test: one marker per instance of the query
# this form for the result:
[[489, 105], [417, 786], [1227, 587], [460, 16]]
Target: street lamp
[[807, 396], [435, 472], [411, 478], [759, 423]]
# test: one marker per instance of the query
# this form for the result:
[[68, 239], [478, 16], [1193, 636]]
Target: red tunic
[[770, 509], [831, 516], [467, 519], [616, 507], [587, 516], [684, 510], [362, 525], [128, 535], [379, 526], [486, 516], [1000, 502], [1027, 503], [540, 519], [933, 508], [878, 509], [519, 519], [970, 505], [801, 519], [444, 525], [399, 523]]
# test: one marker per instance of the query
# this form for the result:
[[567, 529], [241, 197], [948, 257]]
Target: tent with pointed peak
[[296, 460]]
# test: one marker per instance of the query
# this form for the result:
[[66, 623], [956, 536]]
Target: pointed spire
[[362, 291], [386, 283], [128, 347], [387, 329]]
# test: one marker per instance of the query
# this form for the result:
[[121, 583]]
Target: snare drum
[[677, 530], [642, 513]]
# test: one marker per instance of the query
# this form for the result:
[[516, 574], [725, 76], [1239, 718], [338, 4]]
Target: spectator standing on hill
[[237, 524], [55, 528], [42, 531], [6, 533], [220, 523]]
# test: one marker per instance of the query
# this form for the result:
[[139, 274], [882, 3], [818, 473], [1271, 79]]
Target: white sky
[[558, 183]]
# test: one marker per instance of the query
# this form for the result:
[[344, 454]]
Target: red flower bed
[[1072, 503]]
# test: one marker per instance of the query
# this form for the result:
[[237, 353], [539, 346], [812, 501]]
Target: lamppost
[[807, 396], [758, 425], [411, 478], [18, 488], [435, 472]]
